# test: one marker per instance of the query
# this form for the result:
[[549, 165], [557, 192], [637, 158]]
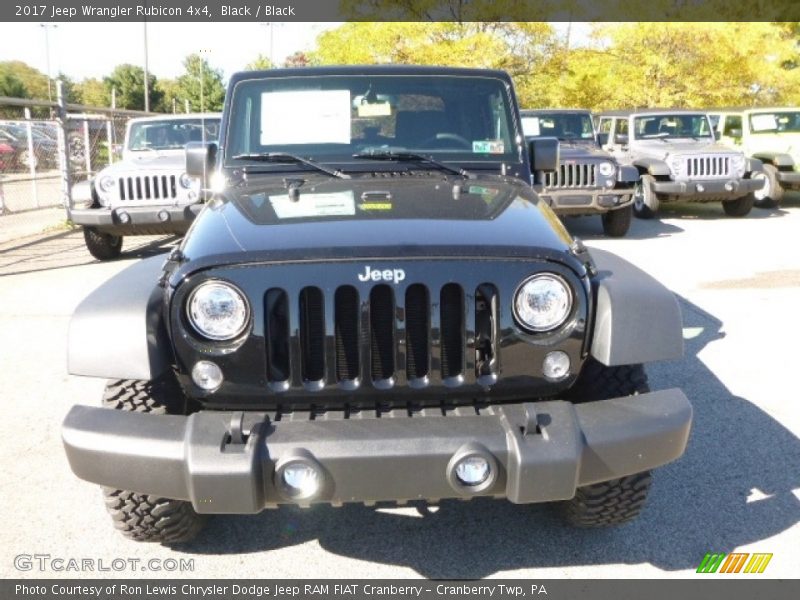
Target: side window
[[604, 126], [622, 127], [732, 122]]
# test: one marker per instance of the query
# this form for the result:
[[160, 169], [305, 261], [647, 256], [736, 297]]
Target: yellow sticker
[[375, 109], [375, 206]]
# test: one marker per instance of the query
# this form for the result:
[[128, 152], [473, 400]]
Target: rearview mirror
[[544, 153], [200, 159]]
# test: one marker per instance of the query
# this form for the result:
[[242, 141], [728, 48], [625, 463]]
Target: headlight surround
[[543, 302], [186, 181], [105, 184], [738, 162], [676, 165], [218, 310], [606, 169]]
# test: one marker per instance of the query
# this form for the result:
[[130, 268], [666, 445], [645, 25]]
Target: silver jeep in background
[[148, 192], [679, 159]]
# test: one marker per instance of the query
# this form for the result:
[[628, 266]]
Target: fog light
[[163, 216], [700, 187], [556, 365], [207, 375], [473, 470], [124, 218], [609, 183], [729, 186], [301, 480]]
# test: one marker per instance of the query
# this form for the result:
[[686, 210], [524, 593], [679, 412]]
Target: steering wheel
[[451, 137]]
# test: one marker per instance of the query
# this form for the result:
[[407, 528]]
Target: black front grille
[[148, 187], [388, 335], [572, 175]]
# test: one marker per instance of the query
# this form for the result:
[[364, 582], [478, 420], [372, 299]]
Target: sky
[[82, 50]]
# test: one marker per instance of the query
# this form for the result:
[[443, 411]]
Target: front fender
[[654, 166], [777, 159], [118, 331], [637, 319], [754, 165], [628, 174]]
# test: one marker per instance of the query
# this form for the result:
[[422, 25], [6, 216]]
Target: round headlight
[[738, 161], [606, 169], [676, 164], [105, 184], [543, 302], [186, 181], [218, 310]]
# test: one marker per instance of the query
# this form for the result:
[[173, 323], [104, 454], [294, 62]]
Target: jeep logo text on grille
[[393, 275]]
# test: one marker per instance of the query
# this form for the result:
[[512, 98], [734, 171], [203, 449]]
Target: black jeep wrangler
[[589, 181], [375, 306]]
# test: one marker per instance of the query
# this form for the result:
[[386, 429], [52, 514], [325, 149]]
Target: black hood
[[582, 149], [417, 214]]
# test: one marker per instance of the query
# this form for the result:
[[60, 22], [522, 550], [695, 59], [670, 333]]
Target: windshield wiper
[[283, 157], [403, 156]]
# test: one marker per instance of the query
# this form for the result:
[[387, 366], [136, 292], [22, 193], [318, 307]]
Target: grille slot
[[381, 316], [346, 333], [452, 330], [276, 311], [575, 175], [312, 334], [710, 166], [148, 187], [417, 332], [486, 334]]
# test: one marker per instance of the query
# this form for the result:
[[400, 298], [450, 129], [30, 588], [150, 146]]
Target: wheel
[[771, 194], [617, 222], [103, 246], [645, 201], [739, 207], [619, 500], [144, 517]]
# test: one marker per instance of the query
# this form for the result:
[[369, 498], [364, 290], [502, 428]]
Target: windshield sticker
[[374, 109], [488, 147], [306, 117], [335, 204], [530, 126], [763, 122], [375, 206]]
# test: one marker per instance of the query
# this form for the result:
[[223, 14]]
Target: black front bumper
[[709, 190], [140, 219], [229, 462], [575, 201]]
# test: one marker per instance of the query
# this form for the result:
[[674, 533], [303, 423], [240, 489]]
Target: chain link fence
[[45, 148]]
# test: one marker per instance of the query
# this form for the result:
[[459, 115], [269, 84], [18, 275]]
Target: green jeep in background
[[771, 135]]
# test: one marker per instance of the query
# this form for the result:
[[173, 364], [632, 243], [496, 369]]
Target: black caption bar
[[698, 588], [392, 10]]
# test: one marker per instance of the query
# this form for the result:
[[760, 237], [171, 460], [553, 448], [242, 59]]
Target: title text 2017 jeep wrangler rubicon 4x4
[[589, 180], [679, 159], [148, 192], [374, 307], [771, 135]]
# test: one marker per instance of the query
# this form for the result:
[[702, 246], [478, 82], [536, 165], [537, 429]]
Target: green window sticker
[[488, 147]]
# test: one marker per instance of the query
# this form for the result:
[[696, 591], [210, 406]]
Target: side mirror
[[621, 139], [602, 139], [200, 159], [734, 133], [544, 153]]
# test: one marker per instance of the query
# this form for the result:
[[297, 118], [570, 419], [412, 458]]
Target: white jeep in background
[[679, 159], [148, 192]]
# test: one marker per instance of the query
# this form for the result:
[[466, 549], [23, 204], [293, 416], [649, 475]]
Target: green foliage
[[33, 80], [171, 96], [92, 92], [260, 63], [128, 80], [11, 85], [201, 85]]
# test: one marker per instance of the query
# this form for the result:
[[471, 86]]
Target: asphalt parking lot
[[737, 487]]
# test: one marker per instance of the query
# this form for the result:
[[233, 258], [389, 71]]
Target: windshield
[[171, 134], [672, 126], [329, 118], [775, 122], [564, 126]]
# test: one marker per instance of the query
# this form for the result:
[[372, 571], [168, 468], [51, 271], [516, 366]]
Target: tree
[[201, 85], [11, 85], [128, 81], [68, 88], [93, 92], [34, 80], [172, 99], [298, 59], [260, 63]]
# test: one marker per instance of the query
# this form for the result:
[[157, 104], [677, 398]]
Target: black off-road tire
[[616, 223], [739, 207], [645, 200], [609, 503], [144, 517], [619, 500], [103, 246], [772, 194]]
